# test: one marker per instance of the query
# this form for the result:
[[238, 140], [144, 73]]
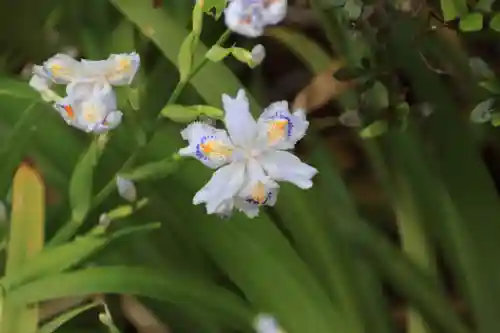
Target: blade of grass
[[175, 287], [403, 275], [26, 238], [466, 181]]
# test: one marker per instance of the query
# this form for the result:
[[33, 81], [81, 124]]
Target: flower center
[[69, 111], [124, 65], [277, 130], [211, 148], [90, 113], [259, 195], [57, 70]]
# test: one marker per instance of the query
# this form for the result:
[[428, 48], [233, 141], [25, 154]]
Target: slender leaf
[[174, 287], [28, 213], [62, 319]]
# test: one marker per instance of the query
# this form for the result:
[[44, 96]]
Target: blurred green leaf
[[80, 188], [406, 278], [17, 143], [242, 55], [306, 49], [377, 97], [217, 53], [495, 119], [152, 170], [485, 5], [122, 38], [495, 22], [216, 5], [471, 22], [332, 3], [80, 192], [492, 86], [28, 214], [338, 209], [126, 210], [56, 259], [174, 287], [471, 238], [375, 129], [133, 98], [185, 59], [180, 113], [53, 325], [453, 9], [197, 18], [305, 222], [187, 114]]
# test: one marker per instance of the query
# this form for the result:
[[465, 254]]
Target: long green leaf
[[468, 189], [80, 193], [28, 214], [174, 287]]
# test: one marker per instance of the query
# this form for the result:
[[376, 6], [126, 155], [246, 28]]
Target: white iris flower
[[250, 17], [90, 104], [251, 156], [90, 108], [117, 70]]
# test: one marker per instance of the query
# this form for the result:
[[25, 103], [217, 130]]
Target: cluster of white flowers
[[251, 156], [90, 104], [250, 17]]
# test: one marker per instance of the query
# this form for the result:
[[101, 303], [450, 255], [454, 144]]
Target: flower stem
[[111, 185]]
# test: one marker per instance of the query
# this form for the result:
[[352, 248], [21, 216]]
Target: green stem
[[111, 185], [414, 243]]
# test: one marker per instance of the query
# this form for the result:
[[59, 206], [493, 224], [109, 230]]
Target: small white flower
[[267, 324], [91, 108], [118, 69], [250, 17], [104, 220], [258, 54], [90, 104], [250, 157], [126, 189]]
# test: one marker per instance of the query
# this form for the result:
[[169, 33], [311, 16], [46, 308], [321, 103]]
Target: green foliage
[[495, 22], [471, 22], [453, 9], [375, 129], [187, 114]]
